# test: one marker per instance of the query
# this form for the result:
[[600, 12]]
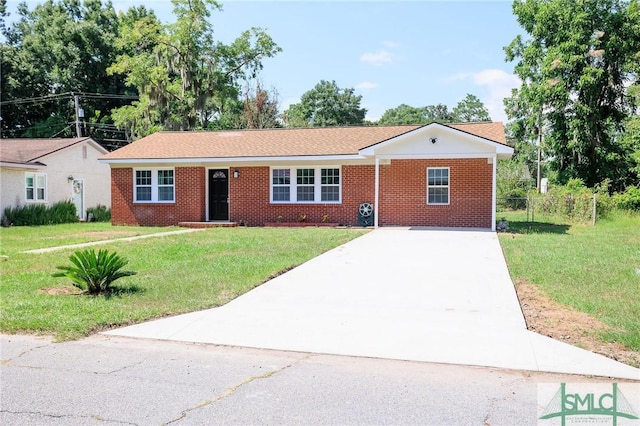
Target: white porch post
[[494, 192], [376, 195]]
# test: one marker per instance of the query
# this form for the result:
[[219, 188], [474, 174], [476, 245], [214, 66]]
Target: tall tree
[[58, 47], [182, 74], [470, 109], [574, 65], [260, 108], [326, 105]]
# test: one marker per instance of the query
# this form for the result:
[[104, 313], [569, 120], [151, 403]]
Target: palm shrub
[[93, 271]]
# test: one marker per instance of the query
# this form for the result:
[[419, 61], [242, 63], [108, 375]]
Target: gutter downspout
[[376, 195], [493, 193]]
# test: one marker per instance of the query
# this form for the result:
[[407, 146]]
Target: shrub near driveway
[[593, 269], [175, 274]]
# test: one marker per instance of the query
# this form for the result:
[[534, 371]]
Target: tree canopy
[[182, 75], [326, 105], [178, 74], [467, 110], [576, 63]]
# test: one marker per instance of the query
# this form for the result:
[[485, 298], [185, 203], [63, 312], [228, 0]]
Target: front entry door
[[219, 194], [77, 197]]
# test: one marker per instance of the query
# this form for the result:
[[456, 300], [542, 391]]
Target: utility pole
[[76, 101], [539, 150]]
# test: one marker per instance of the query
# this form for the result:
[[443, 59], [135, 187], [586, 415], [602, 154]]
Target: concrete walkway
[[97, 243], [410, 294]]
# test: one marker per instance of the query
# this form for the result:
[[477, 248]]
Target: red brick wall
[[402, 197], [190, 203], [403, 194], [249, 198]]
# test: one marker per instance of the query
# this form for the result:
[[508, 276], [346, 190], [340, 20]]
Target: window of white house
[[35, 187], [154, 186], [438, 185], [310, 185]]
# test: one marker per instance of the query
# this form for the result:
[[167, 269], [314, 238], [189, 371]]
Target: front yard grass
[[593, 269], [175, 273]]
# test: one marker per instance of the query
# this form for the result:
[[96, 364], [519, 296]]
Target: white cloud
[[496, 84], [381, 57], [366, 85]]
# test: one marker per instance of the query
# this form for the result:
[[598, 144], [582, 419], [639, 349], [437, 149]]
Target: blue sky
[[413, 52]]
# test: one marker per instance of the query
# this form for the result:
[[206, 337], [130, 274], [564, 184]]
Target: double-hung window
[[154, 186], [305, 185], [281, 185], [35, 186], [438, 185], [330, 185]]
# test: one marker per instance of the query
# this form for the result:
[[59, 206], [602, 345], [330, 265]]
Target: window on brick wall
[[35, 186], [154, 186], [437, 185], [308, 185]]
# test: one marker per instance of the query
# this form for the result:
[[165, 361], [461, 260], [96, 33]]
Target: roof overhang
[[21, 166], [237, 160]]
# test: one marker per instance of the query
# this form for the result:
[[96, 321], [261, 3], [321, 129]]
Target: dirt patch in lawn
[[548, 317], [62, 291]]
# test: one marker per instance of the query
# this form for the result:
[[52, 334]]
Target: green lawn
[[592, 269], [176, 274], [20, 238]]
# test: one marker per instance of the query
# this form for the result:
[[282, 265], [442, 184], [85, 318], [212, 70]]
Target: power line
[[37, 99]]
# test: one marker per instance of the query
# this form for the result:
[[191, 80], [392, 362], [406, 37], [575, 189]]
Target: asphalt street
[[103, 380]]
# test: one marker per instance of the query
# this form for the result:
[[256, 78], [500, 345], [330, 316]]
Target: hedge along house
[[432, 175]]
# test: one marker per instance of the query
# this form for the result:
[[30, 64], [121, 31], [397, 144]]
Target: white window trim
[[35, 198], [154, 185], [293, 193], [439, 186]]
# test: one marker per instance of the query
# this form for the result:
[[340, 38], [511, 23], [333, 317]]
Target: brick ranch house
[[431, 175]]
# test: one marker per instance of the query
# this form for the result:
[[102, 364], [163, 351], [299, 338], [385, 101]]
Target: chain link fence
[[573, 208]]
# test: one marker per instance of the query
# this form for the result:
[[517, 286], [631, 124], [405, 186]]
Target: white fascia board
[[235, 160], [435, 156], [21, 166]]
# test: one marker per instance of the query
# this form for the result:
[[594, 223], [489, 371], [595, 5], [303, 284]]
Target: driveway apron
[[420, 294]]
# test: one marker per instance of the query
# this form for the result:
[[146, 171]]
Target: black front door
[[219, 194]]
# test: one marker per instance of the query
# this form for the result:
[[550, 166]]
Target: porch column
[[376, 195], [494, 160]]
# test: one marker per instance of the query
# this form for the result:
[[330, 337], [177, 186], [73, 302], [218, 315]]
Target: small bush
[[40, 214], [629, 199], [98, 213], [573, 200], [62, 212], [93, 271]]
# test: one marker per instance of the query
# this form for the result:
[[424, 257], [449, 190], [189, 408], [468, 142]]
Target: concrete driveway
[[398, 293]]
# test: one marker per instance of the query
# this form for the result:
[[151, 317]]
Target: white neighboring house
[[51, 170]]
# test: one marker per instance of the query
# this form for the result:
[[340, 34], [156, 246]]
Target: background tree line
[[578, 63], [134, 75]]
